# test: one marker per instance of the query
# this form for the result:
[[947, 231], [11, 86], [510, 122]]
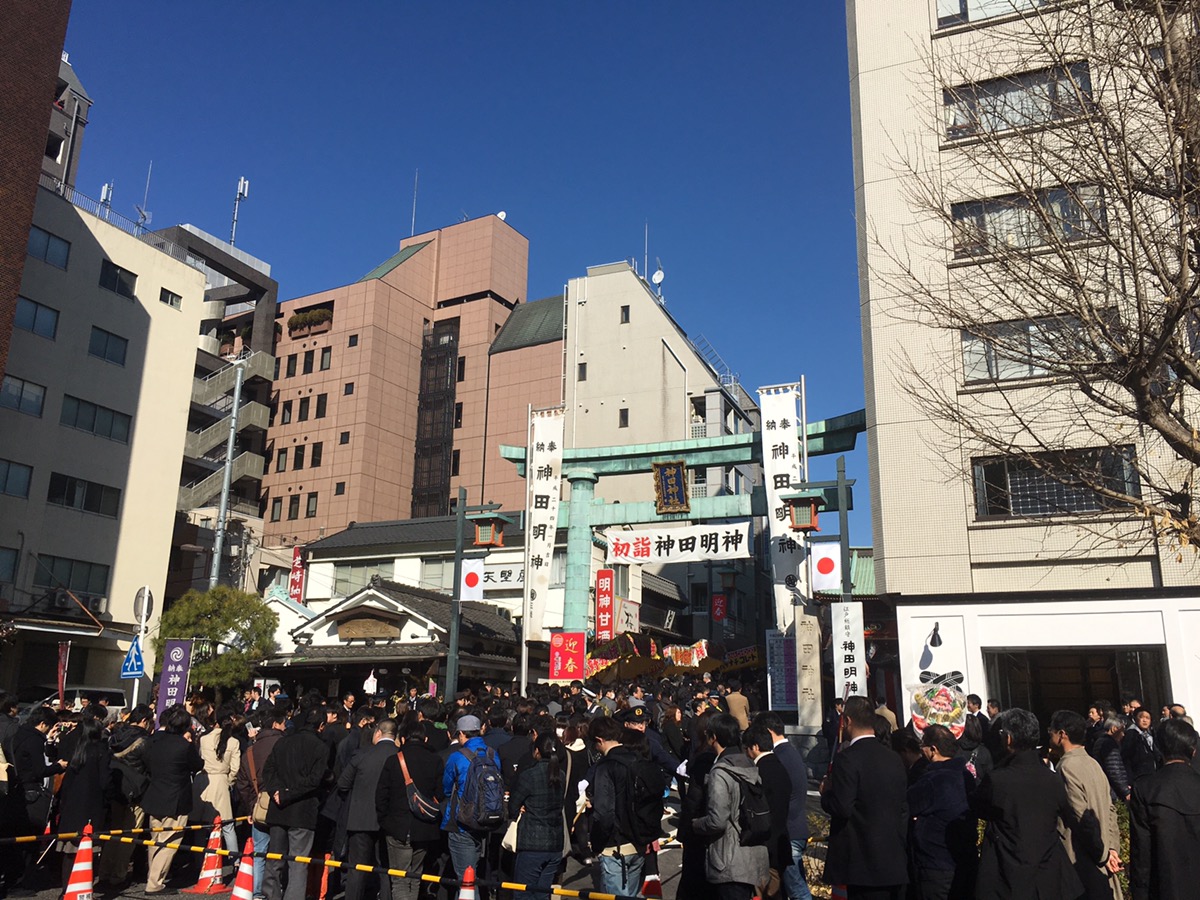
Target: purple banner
[[172, 684]]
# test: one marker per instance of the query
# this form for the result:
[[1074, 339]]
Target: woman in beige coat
[[222, 757]]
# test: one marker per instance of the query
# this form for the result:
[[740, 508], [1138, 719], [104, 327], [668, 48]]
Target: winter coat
[[296, 769], [1164, 826], [129, 745], [727, 860], [942, 835], [391, 800], [213, 786], [793, 763], [1107, 752], [1138, 753], [1094, 830], [254, 758], [86, 791], [454, 779], [611, 789], [977, 755], [28, 757], [171, 760], [360, 779], [539, 804], [778, 786]]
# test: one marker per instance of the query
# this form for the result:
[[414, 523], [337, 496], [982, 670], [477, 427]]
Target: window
[[1017, 101], [23, 396], [1016, 486], [298, 457], [172, 300], [982, 226], [293, 507], [276, 509], [623, 418], [1008, 351], [36, 318], [339, 489], [326, 358], [348, 388], [458, 415], [277, 361], [344, 437], [454, 463], [76, 493], [314, 458], [309, 360], [54, 147], [302, 412], [285, 413], [621, 581], [14, 478], [353, 342], [108, 346], [582, 372], [351, 577], [462, 369], [8, 565], [281, 460], [437, 573], [955, 12], [310, 509], [119, 281], [49, 248], [625, 315], [74, 574], [291, 365], [322, 404], [99, 420]]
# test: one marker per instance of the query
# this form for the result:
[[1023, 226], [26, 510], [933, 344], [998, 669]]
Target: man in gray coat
[[735, 872], [361, 780]]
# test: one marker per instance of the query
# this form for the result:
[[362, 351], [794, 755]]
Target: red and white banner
[[720, 607], [568, 651], [296, 579], [605, 612], [691, 543], [472, 580], [827, 567]]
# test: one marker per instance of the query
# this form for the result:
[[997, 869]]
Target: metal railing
[[101, 211]]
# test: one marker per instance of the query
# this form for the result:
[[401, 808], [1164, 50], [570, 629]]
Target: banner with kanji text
[[543, 480], [693, 543], [568, 652]]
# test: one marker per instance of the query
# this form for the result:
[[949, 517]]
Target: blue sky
[[725, 125]]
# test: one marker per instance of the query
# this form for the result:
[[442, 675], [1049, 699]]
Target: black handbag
[[423, 808]]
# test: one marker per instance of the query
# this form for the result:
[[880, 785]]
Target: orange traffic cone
[[210, 872], [467, 891], [79, 885], [243, 884], [651, 886]]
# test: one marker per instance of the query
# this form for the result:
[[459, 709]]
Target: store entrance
[[1044, 681]]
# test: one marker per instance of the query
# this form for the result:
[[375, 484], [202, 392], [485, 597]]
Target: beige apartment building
[[1041, 595], [93, 418]]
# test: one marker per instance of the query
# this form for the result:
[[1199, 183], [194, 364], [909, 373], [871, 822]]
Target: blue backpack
[[479, 805]]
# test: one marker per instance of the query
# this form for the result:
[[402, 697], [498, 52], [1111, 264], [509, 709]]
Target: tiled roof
[[530, 324], [406, 535], [663, 586], [478, 619], [392, 261], [862, 573]]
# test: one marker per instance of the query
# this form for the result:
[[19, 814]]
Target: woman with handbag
[[536, 806], [265, 730]]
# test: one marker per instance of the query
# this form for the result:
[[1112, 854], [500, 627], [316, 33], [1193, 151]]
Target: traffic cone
[[467, 890], [210, 872], [243, 884], [651, 886], [79, 885]]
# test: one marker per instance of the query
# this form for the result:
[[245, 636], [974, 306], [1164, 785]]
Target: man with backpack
[[627, 809], [737, 817], [474, 790]]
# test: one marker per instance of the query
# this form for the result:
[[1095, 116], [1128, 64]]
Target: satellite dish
[[658, 277], [502, 215]]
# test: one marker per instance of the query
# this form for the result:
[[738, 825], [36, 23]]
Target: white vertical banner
[[782, 474], [543, 483], [849, 654]]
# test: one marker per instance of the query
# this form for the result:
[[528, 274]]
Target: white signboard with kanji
[[849, 654], [629, 619], [543, 479], [695, 543], [781, 475]]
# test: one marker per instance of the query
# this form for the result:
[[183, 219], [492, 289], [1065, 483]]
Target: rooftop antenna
[[106, 195], [646, 249], [144, 217], [658, 276], [243, 191], [416, 177]]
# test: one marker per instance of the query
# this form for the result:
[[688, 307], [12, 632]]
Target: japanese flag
[[827, 567], [472, 580]]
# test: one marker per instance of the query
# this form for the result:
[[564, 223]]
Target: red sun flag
[[827, 567], [472, 580]]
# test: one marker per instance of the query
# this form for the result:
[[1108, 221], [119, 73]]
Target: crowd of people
[[513, 787]]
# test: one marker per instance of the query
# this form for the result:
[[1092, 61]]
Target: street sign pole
[[144, 601]]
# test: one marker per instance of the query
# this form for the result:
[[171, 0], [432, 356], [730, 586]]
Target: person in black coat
[[414, 845], [1022, 856], [360, 781], [537, 798], [87, 788], [519, 748], [865, 796], [1164, 820], [793, 763], [942, 835], [171, 758], [293, 775], [1107, 752], [1137, 750], [778, 787]]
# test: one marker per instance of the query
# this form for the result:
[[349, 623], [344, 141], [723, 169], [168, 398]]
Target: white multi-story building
[[970, 173]]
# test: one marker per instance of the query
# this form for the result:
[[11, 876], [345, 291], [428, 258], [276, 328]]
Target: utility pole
[[460, 528], [214, 574]]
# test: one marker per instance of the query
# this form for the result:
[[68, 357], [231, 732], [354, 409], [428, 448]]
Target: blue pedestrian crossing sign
[[134, 666]]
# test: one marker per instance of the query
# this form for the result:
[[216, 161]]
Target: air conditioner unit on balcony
[[62, 600], [96, 605]]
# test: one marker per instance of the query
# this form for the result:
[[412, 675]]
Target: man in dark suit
[[1022, 801], [777, 784], [172, 758], [360, 779], [865, 796], [413, 845], [1164, 820], [797, 825]]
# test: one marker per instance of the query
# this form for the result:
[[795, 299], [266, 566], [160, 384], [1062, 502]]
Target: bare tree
[[1061, 205]]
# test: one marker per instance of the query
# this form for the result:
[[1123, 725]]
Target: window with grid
[[175, 301], [23, 396], [96, 419], [108, 346], [118, 280], [36, 318], [49, 248], [79, 493], [1058, 483], [984, 227], [1017, 101], [1009, 351], [74, 574], [14, 478], [354, 576]]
